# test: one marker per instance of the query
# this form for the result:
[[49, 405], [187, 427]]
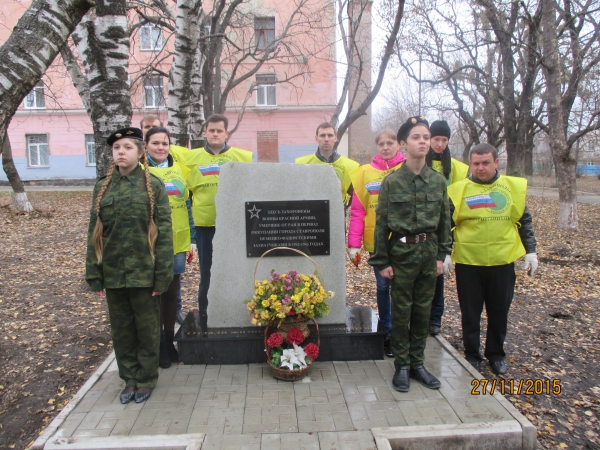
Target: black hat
[[440, 128], [409, 125], [129, 132]]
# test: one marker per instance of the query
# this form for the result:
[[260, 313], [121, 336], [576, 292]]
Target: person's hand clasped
[[448, 265], [154, 294], [388, 273], [440, 267]]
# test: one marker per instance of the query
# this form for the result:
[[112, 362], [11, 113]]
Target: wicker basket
[[285, 327], [285, 374]]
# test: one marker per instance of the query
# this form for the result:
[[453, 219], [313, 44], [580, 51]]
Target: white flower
[[300, 355]]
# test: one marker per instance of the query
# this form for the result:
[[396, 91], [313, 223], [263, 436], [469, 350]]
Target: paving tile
[[300, 441], [232, 442], [123, 427], [91, 433], [347, 440], [91, 420]]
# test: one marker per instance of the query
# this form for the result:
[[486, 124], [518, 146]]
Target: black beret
[[440, 128], [409, 125], [129, 132]]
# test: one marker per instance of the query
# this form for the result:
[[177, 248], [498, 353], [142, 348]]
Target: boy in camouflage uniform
[[412, 239]]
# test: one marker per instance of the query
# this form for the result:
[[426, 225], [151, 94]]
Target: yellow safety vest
[[486, 218], [458, 170], [203, 180], [367, 182], [178, 153], [342, 167], [174, 179]]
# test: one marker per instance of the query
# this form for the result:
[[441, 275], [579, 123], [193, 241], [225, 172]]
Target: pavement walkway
[[340, 405]]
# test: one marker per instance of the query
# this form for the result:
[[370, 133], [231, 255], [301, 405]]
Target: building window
[[90, 150], [153, 92], [264, 30], [265, 90], [35, 99], [151, 37], [37, 149]]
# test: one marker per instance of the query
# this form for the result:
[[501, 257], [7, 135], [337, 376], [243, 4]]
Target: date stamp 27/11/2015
[[526, 386]]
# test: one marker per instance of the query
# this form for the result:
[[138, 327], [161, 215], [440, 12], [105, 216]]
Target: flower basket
[[288, 297], [284, 373], [301, 324]]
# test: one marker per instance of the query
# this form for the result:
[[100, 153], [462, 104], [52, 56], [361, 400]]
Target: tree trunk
[[32, 46], [197, 108], [103, 46], [187, 26], [563, 161], [21, 200]]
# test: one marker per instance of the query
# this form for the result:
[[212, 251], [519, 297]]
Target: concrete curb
[[171, 441], [529, 431], [40, 442]]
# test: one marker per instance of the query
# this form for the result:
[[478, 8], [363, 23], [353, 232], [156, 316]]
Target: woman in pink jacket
[[367, 180]]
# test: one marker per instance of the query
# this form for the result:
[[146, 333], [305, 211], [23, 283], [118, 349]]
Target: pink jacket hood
[[382, 164]]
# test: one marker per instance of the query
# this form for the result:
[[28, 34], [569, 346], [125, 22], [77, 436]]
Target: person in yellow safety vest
[[203, 181], [178, 153], [493, 228], [367, 181], [326, 138], [173, 174], [439, 159]]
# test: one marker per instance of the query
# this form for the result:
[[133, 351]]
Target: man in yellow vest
[[493, 228], [326, 138], [177, 153], [203, 181]]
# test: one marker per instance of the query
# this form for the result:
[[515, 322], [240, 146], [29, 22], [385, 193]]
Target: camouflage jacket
[[125, 214], [411, 204]]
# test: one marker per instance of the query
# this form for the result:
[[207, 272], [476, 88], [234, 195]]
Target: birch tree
[[28, 52]]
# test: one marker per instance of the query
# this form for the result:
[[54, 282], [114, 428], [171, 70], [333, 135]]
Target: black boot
[[171, 350], [164, 362]]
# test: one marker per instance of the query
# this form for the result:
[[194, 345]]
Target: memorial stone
[[261, 206]]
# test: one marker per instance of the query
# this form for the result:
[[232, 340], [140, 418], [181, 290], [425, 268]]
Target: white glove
[[193, 249], [448, 265], [531, 263], [353, 251]]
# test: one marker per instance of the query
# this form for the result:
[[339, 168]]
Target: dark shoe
[[142, 394], [179, 317], [498, 367], [425, 378], [401, 380], [164, 362], [171, 350], [434, 329], [387, 348], [476, 364], [127, 394]]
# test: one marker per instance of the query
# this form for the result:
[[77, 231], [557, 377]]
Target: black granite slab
[[356, 340]]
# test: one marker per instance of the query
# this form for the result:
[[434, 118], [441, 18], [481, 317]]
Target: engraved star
[[254, 212]]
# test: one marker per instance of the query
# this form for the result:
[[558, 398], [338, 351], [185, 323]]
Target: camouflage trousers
[[413, 286], [135, 330]]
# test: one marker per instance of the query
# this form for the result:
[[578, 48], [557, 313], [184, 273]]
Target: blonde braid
[[152, 230], [97, 235]]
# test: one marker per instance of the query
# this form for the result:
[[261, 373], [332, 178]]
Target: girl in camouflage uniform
[[130, 254]]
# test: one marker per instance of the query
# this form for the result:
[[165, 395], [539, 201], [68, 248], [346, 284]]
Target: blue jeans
[[437, 305], [204, 238], [383, 301]]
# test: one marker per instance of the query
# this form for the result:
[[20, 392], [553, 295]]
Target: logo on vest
[[495, 202], [211, 169], [176, 188], [373, 187]]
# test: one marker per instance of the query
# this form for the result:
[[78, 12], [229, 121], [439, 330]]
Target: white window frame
[[151, 38], [90, 150], [154, 91], [266, 91], [37, 146], [264, 32], [36, 99]]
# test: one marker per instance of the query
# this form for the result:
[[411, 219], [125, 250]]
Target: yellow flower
[[265, 303], [264, 315], [254, 322]]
